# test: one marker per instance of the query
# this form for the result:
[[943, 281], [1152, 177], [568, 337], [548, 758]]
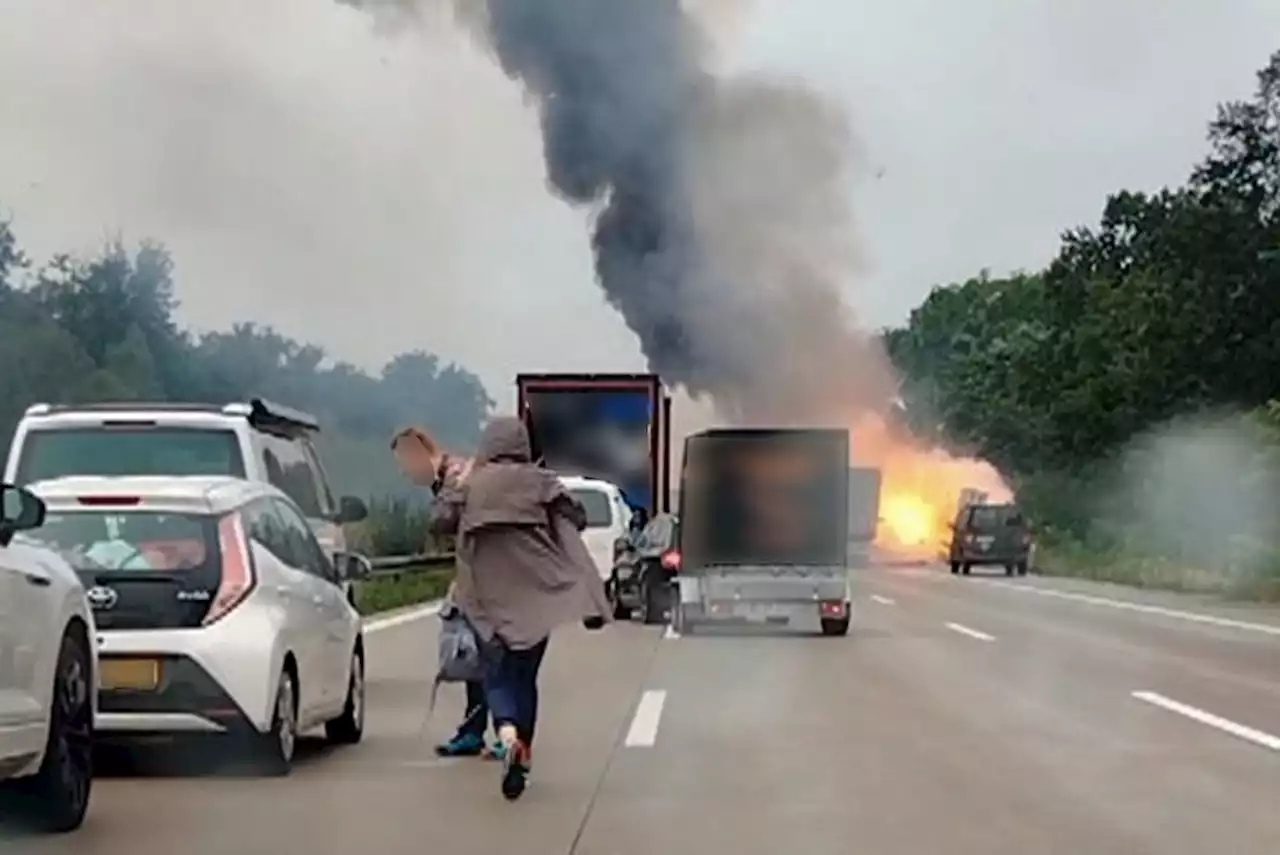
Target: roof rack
[[259, 411], [268, 414], [44, 409]]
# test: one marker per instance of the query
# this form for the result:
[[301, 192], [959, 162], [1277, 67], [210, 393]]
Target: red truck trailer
[[615, 427]]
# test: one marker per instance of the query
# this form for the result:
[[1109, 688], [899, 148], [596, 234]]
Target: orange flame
[[920, 487]]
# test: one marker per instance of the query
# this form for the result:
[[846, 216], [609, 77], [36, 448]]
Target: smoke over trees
[[102, 329]]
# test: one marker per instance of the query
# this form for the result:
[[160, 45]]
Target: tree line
[[103, 328], [1169, 306]]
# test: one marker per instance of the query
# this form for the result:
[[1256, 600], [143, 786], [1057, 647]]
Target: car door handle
[[318, 599], [38, 580], [284, 591]]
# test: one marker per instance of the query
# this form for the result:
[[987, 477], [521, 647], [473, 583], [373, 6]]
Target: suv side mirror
[[352, 566], [351, 510], [20, 510]]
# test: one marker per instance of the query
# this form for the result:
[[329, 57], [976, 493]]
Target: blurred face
[[416, 461]]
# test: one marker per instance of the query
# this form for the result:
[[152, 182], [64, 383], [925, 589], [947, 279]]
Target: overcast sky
[[376, 194]]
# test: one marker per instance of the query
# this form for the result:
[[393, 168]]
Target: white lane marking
[[884, 601], [670, 632], [1194, 617], [1240, 731], [644, 724], [379, 624], [969, 631]]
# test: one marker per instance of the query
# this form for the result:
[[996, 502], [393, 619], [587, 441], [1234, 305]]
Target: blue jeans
[[477, 715], [511, 684]]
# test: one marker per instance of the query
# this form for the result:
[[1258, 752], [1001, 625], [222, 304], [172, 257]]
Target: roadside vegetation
[[404, 588], [1114, 374]]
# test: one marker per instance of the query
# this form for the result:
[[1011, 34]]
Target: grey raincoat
[[523, 569]]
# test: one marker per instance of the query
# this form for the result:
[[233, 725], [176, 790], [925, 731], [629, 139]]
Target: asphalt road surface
[[965, 716]]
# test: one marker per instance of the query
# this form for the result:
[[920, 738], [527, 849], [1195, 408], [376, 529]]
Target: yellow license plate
[[139, 675]]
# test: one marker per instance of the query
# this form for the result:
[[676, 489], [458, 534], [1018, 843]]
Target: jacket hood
[[505, 438]]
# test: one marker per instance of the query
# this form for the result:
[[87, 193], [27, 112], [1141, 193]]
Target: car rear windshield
[[105, 540], [130, 450], [596, 504], [992, 517]]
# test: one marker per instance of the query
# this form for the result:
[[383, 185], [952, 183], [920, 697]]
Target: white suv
[[218, 612], [258, 440], [47, 690]]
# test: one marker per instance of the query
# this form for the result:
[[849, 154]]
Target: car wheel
[[56, 798], [656, 600], [620, 612], [276, 747], [348, 728], [835, 626], [1022, 568]]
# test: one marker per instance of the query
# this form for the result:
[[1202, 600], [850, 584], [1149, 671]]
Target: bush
[[396, 526]]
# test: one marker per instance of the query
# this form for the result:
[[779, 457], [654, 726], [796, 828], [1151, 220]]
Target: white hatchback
[[218, 612], [47, 655]]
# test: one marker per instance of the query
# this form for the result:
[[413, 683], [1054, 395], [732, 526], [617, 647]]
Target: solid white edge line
[[884, 601], [644, 724], [1194, 617], [1240, 731], [969, 631], [379, 624]]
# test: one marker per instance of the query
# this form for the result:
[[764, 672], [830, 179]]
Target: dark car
[[644, 568], [990, 535]]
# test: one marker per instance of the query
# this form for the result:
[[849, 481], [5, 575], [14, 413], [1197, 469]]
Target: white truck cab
[[608, 517], [256, 440]]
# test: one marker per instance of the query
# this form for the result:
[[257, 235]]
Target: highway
[[965, 716]]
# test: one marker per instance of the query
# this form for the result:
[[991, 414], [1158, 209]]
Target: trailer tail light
[[670, 560], [833, 608], [237, 569]]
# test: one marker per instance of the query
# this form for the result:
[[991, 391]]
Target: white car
[[608, 518], [258, 440], [47, 690], [218, 612]]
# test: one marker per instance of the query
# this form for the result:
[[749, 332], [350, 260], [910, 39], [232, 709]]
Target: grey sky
[[376, 193]]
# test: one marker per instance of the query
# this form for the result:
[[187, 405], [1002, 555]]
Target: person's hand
[[455, 469]]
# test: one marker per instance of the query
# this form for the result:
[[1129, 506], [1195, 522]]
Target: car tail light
[[832, 608], [237, 569], [108, 501], [670, 559]]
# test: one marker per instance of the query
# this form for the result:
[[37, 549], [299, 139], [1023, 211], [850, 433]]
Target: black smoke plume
[[722, 231]]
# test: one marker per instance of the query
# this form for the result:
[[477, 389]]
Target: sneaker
[[515, 771], [495, 751], [462, 745]]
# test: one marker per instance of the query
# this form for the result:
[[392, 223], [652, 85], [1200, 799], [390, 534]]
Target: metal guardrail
[[391, 565]]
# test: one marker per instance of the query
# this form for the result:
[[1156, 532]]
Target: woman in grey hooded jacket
[[523, 570]]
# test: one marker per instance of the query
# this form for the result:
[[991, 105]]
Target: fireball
[[920, 486]]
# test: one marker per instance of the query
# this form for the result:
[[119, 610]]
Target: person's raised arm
[[446, 506]]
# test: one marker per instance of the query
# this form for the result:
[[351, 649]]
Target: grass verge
[[1258, 583], [407, 587]]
